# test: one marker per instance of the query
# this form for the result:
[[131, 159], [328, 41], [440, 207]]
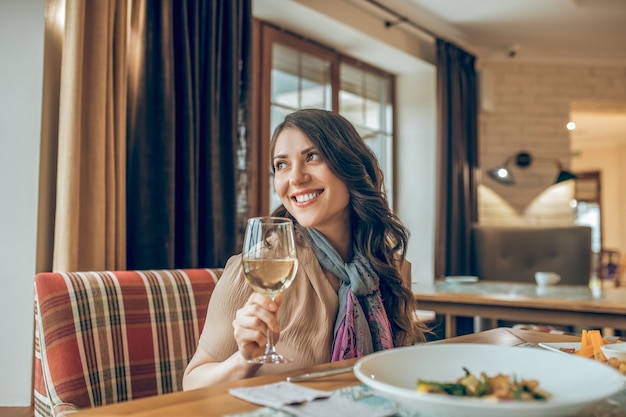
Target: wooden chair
[[112, 336]]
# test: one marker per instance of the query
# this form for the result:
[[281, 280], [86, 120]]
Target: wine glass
[[269, 265]]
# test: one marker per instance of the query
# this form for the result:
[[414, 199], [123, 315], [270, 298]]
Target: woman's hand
[[252, 322]]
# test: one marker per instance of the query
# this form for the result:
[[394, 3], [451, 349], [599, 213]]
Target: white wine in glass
[[269, 265]]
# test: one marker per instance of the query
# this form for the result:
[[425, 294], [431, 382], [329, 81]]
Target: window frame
[[265, 35]]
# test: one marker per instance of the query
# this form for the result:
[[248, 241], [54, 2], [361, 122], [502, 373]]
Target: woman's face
[[307, 187]]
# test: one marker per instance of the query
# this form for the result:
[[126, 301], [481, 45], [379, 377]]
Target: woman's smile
[[303, 198]]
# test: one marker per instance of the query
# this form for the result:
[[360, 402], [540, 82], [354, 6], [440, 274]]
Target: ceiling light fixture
[[502, 173]]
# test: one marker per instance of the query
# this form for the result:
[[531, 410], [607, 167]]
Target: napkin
[[307, 402], [278, 394]]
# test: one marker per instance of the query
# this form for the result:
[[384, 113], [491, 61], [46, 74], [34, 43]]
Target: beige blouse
[[307, 315]]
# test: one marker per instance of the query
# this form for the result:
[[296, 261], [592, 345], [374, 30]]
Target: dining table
[[216, 400], [524, 302]]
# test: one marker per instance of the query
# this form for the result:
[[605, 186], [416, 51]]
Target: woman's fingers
[[252, 322], [260, 308], [250, 343]]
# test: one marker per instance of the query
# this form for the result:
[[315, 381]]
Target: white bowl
[[547, 278], [574, 382], [615, 350]]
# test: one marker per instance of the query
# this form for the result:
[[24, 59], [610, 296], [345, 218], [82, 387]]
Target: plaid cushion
[[106, 337]]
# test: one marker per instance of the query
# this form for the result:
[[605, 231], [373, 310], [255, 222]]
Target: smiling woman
[[351, 250]]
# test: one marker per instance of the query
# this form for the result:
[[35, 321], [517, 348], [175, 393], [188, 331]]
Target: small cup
[[614, 350], [546, 278]]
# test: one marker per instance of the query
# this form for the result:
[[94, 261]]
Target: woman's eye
[[279, 165], [313, 156]]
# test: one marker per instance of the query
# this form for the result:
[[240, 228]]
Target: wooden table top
[[216, 401], [612, 300]]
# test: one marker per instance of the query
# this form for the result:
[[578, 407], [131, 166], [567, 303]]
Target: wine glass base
[[270, 358]]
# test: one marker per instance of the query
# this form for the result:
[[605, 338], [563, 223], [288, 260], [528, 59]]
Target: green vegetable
[[500, 386], [443, 387]]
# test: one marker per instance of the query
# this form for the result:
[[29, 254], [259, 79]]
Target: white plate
[[556, 347], [574, 382], [461, 279]]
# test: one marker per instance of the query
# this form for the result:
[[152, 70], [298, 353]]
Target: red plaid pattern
[[111, 336]]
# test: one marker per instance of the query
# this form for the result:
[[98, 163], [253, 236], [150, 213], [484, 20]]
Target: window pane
[[588, 214], [351, 79], [365, 100], [315, 83], [284, 76], [277, 115], [299, 80], [374, 117], [351, 107], [586, 189], [377, 98], [351, 100], [378, 144]]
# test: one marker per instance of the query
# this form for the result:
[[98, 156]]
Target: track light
[[502, 173]]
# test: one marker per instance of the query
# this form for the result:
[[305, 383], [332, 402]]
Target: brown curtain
[[188, 83], [457, 205], [82, 189], [143, 124]]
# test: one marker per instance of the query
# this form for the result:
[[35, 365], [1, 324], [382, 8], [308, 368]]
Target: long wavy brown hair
[[376, 230]]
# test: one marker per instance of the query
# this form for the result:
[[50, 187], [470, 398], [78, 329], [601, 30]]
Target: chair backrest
[[515, 253], [112, 336]]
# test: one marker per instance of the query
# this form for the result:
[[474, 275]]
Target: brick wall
[[525, 107]]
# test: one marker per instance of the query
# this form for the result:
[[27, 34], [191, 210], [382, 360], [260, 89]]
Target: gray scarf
[[361, 326]]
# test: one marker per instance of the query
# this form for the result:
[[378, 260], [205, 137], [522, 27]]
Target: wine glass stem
[[269, 345]]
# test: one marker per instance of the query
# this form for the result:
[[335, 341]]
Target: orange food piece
[[586, 349], [590, 343], [596, 342], [590, 347]]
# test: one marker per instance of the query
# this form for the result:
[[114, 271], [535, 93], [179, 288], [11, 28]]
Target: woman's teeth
[[306, 197]]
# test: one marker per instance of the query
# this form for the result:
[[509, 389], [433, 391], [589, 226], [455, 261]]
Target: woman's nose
[[299, 176]]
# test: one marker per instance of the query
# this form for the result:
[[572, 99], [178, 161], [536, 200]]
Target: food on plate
[[591, 343], [499, 387], [617, 364]]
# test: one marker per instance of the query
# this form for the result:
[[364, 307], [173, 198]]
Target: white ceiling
[[545, 31]]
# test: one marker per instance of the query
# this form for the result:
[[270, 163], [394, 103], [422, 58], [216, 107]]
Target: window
[[365, 100], [587, 211], [297, 73]]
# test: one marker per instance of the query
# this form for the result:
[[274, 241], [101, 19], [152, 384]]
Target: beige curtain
[[89, 205]]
